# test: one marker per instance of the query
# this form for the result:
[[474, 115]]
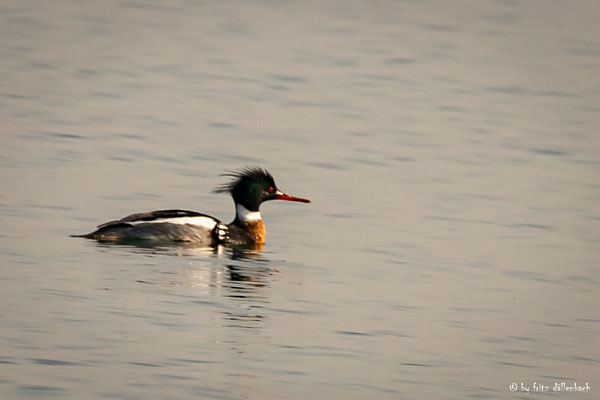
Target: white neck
[[246, 216]]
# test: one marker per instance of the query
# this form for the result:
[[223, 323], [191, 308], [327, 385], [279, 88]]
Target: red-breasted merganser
[[249, 189]]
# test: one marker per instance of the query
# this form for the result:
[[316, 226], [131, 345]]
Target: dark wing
[[155, 215]]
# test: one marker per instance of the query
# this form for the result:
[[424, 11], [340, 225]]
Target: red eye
[[270, 189]]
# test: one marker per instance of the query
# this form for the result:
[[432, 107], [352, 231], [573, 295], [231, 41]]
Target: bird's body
[[249, 189]]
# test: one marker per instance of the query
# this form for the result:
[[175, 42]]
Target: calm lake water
[[451, 151]]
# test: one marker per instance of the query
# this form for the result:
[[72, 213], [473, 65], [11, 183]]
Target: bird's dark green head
[[251, 186]]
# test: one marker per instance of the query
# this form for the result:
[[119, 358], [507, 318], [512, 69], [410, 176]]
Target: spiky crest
[[244, 175]]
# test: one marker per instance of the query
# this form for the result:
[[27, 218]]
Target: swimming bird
[[249, 188]]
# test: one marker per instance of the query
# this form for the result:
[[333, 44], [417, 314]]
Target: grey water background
[[451, 151]]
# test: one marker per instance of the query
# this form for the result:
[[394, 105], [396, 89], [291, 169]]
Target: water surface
[[450, 150]]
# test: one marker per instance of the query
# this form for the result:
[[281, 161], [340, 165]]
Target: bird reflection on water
[[249, 274], [236, 279]]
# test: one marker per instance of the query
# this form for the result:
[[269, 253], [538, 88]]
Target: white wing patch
[[205, 222]]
